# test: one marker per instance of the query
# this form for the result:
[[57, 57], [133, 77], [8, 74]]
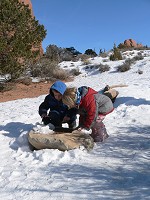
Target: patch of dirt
[[20, 91]]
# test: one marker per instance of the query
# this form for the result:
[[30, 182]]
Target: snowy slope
[[119, 168]]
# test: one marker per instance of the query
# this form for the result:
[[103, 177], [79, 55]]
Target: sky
[[116, 169], [93, 24]]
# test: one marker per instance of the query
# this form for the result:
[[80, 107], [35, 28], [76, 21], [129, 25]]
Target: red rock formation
[[132, 43], [28, 2]]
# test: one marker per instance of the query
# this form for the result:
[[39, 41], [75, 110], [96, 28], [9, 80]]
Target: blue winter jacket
[[52, 104]]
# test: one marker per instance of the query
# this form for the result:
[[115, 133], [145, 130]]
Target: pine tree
[[116, 54], [90, 52], [21, 36]]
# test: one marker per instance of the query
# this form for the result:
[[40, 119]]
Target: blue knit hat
[[59, 86]]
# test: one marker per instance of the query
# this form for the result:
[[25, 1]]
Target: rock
[[132, 43], [61, 141], [28, 2]]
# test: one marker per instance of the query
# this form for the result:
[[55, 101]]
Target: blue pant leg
[[72, 113], [55, 118]]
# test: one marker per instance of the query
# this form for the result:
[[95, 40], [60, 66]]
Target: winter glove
[[66, 119], [46, 120]]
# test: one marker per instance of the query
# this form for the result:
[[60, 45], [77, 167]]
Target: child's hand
[[44, 115], [82, 130], [86, 131]]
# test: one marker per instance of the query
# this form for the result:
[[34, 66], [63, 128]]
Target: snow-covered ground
[[119, 168]]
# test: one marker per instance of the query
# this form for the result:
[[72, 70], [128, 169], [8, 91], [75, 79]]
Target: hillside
[[115, 169]]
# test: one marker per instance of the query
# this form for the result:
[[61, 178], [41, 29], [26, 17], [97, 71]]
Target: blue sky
[[93, 24]]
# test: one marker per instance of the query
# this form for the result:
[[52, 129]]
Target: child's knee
[[55, 118]]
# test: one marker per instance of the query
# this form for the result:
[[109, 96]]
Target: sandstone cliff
[[27, 2], [132, 43]]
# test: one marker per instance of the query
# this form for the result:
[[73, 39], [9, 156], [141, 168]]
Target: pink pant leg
[[99, 133]]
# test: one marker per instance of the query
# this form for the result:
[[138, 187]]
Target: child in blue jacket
[[53, 110]]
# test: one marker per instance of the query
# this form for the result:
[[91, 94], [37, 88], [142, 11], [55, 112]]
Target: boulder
[[132, 43], [60, 140]]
